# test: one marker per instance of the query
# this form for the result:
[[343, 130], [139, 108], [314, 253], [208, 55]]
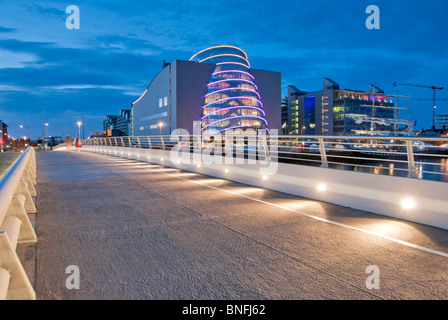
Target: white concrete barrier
[[16, 202], [409, 199], [5, 276]]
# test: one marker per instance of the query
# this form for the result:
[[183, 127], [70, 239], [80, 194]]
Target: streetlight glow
[[160, 126], [79, 123], [21, 127], [46, 134]]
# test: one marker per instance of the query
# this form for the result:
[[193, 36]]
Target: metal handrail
[[401, 154]]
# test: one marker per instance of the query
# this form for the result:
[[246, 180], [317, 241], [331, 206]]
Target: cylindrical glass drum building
[[232, 100]]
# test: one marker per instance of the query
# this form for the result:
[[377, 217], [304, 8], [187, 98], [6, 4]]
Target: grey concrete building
[[118, 125], [110, 122], [124, 122]]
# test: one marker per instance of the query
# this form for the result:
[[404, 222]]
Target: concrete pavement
[[142, 231]]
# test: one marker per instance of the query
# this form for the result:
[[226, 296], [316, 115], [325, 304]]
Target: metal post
[[162, 142], [83, 123], [434, 109], [411, 161], [396, 113], [323, 153]]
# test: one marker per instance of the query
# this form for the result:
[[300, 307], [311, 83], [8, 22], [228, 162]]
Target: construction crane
[[434, 88]]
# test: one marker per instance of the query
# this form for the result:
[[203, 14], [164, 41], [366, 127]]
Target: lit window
[[160, 103], [165, 101]]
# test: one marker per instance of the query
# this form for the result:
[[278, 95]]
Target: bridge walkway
[[142, 231]]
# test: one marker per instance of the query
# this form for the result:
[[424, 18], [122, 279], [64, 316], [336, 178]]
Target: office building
[[117, 125], [284, 115], [110, 122], [123, 123], [3, 135], [336, 111], [441, 121]]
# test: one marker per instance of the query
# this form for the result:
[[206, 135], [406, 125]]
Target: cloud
[[120, 46], [52, 12], [128, 44], [72, 66], [11, 88], [127, 90], [7, 30], [11, 59]]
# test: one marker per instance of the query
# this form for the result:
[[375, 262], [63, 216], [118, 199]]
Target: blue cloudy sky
[[50, 73]]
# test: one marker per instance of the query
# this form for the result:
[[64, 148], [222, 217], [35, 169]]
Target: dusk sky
[[50, 73]]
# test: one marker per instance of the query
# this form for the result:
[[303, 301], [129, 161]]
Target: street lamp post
[[83, 127], [79, 123], [160, 126], [46, 134], [21, 126]]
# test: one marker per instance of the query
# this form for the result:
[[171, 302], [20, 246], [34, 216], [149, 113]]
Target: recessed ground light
[[408, 203], [321, 187]]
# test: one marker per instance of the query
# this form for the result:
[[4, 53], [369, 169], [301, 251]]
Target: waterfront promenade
[[142, 231]]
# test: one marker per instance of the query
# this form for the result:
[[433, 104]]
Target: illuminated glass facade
[[231, 100], [362, 111], [310, 113], [3, 134], [335, 111]]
